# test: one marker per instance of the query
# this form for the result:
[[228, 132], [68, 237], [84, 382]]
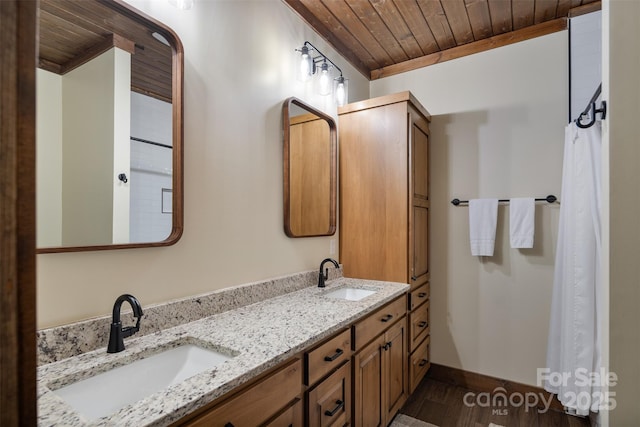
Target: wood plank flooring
[[443, 404]]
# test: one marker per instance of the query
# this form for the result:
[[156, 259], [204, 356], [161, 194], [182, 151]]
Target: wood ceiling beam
[[111, 41], [471, 48], [585, 8]]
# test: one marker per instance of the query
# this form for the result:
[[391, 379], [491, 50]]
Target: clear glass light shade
[[324, 84], [306, 65], [341, 90]]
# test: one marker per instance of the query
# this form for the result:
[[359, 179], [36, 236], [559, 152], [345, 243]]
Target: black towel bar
[[549, 199]]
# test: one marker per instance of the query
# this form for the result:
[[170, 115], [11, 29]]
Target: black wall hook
[[602, 109], [591, 106], [123, 177]]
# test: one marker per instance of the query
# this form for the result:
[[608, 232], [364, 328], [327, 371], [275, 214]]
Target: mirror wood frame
[[333, 161], [177, 65]]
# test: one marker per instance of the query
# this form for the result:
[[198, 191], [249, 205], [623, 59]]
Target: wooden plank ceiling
[[73, 32], [386, 37]]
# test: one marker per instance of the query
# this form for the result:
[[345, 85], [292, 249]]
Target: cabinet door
[[420, 245], [420, 156], [419, 209], [367, 384], [373, 193], [395, 387]]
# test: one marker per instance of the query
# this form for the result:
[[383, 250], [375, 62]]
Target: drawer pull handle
[[414, 278], [387, 318], [339, 405], [422, 324], [422, 294], [387, 346], [423, 362], [229, 425], [333, 357]]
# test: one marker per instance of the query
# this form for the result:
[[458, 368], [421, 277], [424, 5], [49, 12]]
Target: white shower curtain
[[574, 347]]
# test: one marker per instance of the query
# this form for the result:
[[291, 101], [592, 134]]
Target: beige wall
[[49, 159], [497, 131], [621, 205], [80, 138], [239, 64], [121, 144], [90, 133]]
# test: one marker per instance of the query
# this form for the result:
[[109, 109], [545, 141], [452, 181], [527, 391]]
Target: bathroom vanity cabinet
[[384, 204], [380, 368], [358, 376]]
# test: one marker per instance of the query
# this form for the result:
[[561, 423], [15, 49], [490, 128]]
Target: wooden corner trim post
[[18, 24]]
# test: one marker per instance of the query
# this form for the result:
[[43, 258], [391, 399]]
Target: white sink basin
[[350, 294], [106, 393]]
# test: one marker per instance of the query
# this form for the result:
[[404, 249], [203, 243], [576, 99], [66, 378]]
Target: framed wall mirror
[[109, 128], [310, 170]]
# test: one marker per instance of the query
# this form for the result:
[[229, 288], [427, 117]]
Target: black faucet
[[118, 333], [322, 277]]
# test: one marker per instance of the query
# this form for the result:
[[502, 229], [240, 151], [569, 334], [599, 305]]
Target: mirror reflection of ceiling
[[73, 32]]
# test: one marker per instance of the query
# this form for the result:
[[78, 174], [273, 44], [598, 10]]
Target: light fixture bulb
[[341, 91], [325, 81], [306, 64]]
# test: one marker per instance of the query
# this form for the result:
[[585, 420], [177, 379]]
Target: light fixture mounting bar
[[321, 55]]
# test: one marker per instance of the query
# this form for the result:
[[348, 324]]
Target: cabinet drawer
[[419, 364], [328, 356], [291, 417], [377, 322], [418, 326], [258, 403], [330, 401], [418, 296]]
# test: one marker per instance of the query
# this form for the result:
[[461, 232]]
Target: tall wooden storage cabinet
[[384, 205]]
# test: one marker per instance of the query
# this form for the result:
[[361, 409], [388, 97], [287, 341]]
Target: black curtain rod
[[594, 98], [146, 141], [549, 199]]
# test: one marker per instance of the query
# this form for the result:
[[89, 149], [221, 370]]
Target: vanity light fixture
[[321, 65]]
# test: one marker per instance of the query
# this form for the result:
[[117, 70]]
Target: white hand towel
[[483, 216], [522, 213]]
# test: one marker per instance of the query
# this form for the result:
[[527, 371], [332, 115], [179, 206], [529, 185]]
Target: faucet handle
[[128, 331]]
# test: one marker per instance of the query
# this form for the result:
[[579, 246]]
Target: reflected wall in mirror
[[310, 170], [109, 128]]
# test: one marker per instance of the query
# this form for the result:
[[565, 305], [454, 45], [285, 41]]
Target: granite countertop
[[259, 336]]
